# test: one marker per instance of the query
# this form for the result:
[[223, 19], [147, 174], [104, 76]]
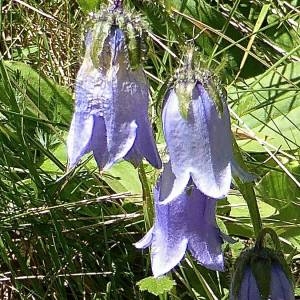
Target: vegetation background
[[70, 236]]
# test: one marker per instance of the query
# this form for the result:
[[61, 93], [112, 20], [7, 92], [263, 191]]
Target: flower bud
[[261, 273]]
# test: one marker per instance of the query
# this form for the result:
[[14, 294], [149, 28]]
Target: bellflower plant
[[196, 125], [111, 106], [262, 273], [188, 222]]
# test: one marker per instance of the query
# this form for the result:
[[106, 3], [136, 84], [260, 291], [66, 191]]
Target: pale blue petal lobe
[[146, 143], [213, 175], [134, 155], [146, 240], [78, 142], [98, 142], [169, 237], [204, 237]]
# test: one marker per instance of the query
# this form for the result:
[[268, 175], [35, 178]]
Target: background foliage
[[69, 236]]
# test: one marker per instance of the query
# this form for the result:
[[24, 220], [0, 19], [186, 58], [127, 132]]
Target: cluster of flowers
[[111, 119]]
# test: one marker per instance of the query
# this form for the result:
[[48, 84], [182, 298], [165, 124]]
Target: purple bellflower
[[188, 222], [280, 287], [199, 143], [111, 106]]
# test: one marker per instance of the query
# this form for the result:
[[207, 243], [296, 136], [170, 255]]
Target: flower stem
[[246, 189], [260, 239], [147, 199]]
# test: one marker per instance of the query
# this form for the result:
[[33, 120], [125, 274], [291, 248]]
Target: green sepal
[[217, 94], [133, 40], [276, 254], [185, 81], [184, 92], [134, 30], [242, 262], [99, 55], [285, 267], [261, 269]]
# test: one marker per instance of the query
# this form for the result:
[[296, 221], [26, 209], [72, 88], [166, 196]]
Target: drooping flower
[[111, 106], [188, 222], [196, 126], [280, 287], [262, 273]]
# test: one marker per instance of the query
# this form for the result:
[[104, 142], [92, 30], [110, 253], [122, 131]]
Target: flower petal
[[144, 145], [127, 121], [187, 222], [204, 237], [98, 142], [169, 239], [93, 95], [214, 176], [78, 142], [165, 258], [146, 240], [172, 187], [281, 288], [201, 144], [134, 155], [249, 289]]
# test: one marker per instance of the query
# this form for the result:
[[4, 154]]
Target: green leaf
[[286, 37], [239, 207], [156, 286], [270, 105], [123, 177], [50, 166], [89, 5], [42, 97], [297, 291], [280, 191]]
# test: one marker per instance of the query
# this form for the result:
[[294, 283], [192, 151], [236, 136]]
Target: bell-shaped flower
[[200, 145], [196, 125], [188, 222], [280, 287], [111, 106], [262, 272]]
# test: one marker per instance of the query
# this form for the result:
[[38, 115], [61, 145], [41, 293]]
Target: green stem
[[246, 189], [260, 239], [147, 199]]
